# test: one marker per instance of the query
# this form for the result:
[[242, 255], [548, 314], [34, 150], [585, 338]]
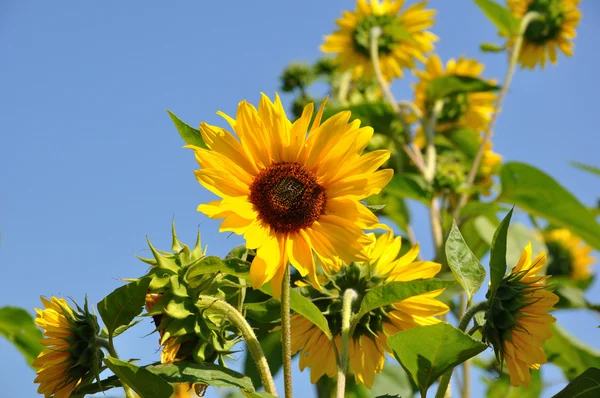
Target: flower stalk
[[349, 297], [286, 332]]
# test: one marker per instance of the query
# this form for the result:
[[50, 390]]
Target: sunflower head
[[517, 321], [72, 356], [368, 342], [568, 255]]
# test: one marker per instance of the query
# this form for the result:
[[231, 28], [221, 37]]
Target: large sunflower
[[518, 323], [291, 193], [555, 30], [569, 255], [404, 38], [368, 344]]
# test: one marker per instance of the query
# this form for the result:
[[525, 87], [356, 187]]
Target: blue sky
[[91, 164]]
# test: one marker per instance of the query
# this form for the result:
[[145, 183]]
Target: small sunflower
[[490, 165], [368, 344], [473, 110], [71, 355], [517, 322], [291, 193], [396, 51], [569, 255], [555, 30]]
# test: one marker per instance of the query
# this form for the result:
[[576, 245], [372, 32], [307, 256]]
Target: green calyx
[[560, 259], [388, 40], [450, 172], [548, 27], [455, 107]]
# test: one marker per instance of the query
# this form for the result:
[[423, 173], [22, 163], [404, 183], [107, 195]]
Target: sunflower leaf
[[587, 167], [500, 387], [586, 385], [540, 195], [463, 263], [570, 354], [190, 135], [145, 383], [427, 352], [123, 304], [442, 87], [505, 21], [407, 185], [213, 264], [498, 254], [18, 327]]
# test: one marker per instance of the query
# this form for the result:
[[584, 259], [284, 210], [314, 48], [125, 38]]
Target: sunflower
[[569, 255], [71, 355], [368, 344], [404, 38], [517, 322], [291, 193], [555, 29]]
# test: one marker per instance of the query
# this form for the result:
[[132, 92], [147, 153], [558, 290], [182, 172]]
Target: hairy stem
[[349, 296], [286, 332], [110, 347], [436, 226]]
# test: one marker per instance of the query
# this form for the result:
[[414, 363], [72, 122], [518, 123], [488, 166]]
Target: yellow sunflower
[[289, 190], [569, 255], [368, 344], [490, 165], [555, 30], [518, 323], [404, 38], [473, 110], [70, 354]]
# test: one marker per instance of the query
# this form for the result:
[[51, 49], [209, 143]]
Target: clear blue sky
[[90, 163]]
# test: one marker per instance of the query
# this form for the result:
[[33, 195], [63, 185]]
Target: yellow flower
[[352, 41], [518, 323], [291, 193], [368, 344], [555, 29], [70, 353], [569, 255], [473, 110], [490, 165]]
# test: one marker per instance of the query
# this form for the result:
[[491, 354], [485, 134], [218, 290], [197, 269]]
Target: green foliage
[[427, 352], [197, 272], [500, 387], [463, 263], [412, 186], [587, 167], [507, 24], [569, 353], [190, 135], [491, 48], [442, 87], [18, 327], [540, 195], [586, 385], [498, 255], [145, 383]]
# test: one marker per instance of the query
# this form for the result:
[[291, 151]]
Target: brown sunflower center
[[287, 196]]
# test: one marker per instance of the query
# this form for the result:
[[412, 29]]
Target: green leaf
[[587, 167], [586, 385], [18, 327], [190, 135], [491, 48], [505, 21], [119, 330], [266, 311], [212, 265], [206, 373], [412, 186], [427, 352], [397, 291], [271, 346], [501, 388], [463, 263], [442, 87], [123, 304], [540, 195], [498, 254], [398, 32], [144, 383], [570, 354]]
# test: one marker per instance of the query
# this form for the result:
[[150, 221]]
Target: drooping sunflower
[[71, 355], [291, 193], [368, 344], [404, 38], [569, 255], [556, 29], [517, 322]]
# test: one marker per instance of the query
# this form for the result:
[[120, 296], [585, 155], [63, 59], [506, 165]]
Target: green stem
[[110, 347], [349, 296], [235, 317], [430, 132], [286, 332]]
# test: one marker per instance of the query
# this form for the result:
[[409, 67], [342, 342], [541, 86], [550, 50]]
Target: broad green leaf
[[463, 263], [18, 327], [427, 352], [412, 186], [500, 387], [491, 48], [213, 264], [190, 135], [265, 312], [119, 330], [540, 195], [442, 87], [498, 254], [464, 139], [397, 291], [570, 296], [206, 373], [96, 387], [123, 304], [586, 385], [587, 167], [570, 354], [505, 21], [271, 346], [143, 382]]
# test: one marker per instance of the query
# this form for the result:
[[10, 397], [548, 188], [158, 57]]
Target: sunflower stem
[[235, 317], [349, 296], [430, 131], [110, 347], [286, 332], [514, 58]]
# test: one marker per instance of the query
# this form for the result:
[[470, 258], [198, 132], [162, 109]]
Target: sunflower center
[[388, 39], [287, 197], [455, 107], [561, 259], [546, 29]]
